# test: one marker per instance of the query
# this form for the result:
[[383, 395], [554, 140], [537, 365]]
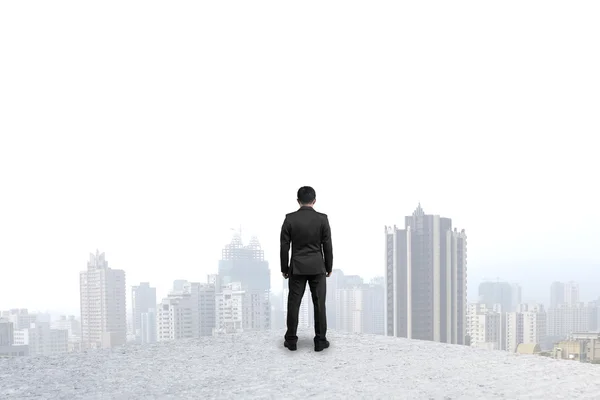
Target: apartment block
[[426, 279], [103, 304]]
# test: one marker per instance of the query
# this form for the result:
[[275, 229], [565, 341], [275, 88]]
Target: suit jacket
[[310, 236]]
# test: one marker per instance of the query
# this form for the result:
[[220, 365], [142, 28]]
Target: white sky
[[149, 129]]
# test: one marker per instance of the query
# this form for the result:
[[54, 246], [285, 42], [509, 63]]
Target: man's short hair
[[306, 195]]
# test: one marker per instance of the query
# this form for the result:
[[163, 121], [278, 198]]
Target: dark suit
[[312, 257]]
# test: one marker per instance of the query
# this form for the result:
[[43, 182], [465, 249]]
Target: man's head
[[306, 196]]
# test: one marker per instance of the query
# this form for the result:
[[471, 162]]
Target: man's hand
[[285, 275], [328, 274]]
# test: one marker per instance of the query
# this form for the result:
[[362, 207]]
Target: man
[[311, 262]]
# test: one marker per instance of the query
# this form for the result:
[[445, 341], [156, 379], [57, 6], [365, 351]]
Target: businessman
[[312, 257]]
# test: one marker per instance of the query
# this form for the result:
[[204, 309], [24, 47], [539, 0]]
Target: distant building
[[103, 298], [7, 345], [507, 295], [230, 312], [175, 316], [426, 279], [244, 264], [374, 307], [350, 308], [564, 293], [567, 318], [486, 327], [143, 301], [42, 340], [20, 317], [557, 294], [193, 304], [70, 324], [6, 333], [525, 326], [359, 305], [571, 293], [148, 326], [207, 293]]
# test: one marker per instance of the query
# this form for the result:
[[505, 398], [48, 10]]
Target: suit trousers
[[318, 291]]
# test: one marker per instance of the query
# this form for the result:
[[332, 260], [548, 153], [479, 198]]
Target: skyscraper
[[503, 293], [143, 300], [572, 293], [557, 294], [426, 279], [102, 297], [247, 266]]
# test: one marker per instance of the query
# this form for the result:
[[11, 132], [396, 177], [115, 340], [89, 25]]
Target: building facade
[[103, 304], [143, 301], [426, 279]]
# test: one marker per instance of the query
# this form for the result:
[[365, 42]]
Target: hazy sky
[[148, 129]]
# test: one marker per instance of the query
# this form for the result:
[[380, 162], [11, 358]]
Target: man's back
[[309, 233], [310, 236]]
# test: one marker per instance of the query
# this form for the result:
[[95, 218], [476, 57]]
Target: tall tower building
[[102, 297], [571, 293], [143, 300], [557, 294], [426, 279], [247, 266], [502, 293], [373, 307]]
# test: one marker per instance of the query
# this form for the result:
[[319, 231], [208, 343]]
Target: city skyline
[[236, 239]]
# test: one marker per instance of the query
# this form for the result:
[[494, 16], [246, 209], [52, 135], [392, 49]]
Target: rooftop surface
[[257, 366]]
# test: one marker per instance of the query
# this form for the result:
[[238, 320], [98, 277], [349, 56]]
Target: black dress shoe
[[321, 345], [291, 346]]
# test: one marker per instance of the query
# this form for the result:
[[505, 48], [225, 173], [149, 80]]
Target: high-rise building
[[502, 293], [230, 309], [517, 294], [485, 327], [426, 279], [350, 308], [103, 304], [244, 264], [566, 319], [534, 323], [191, 303], [571, 293], [143, 300], [247, 266], [557, 294], [359, 305], [527, 325], [20, 317], [70, 324], [373, 307], [206, 307], [148, 327]]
